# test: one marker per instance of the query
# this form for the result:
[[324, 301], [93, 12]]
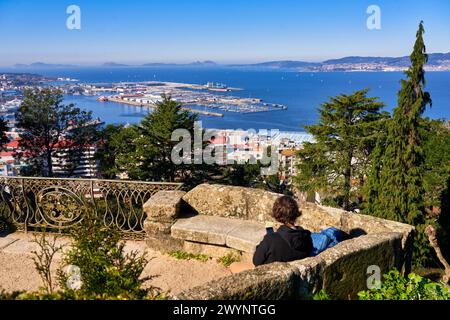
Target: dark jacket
[[283, 246]]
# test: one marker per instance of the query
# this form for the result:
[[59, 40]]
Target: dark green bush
[[5, 225]]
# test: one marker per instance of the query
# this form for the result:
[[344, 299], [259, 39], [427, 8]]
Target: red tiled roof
[[13, 144]]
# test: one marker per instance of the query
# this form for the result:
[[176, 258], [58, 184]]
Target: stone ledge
[[271, 282], [231, 201], [162, 210], [237, 234], [347, 263], [164, 206], [246, 236], [301, 279]]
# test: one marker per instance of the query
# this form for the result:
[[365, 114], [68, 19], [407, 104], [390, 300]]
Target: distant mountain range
[[43, 65], [436, 62], [193, 64], [114, 64]]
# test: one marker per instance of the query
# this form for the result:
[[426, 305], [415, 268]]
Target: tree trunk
[[347, 182], [49, 164], [431, 233]]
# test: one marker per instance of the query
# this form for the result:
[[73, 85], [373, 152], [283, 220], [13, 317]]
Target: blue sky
[[228, 31]]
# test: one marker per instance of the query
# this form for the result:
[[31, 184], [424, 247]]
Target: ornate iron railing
[[57, 204]]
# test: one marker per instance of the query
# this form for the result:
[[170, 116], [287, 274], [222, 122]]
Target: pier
[[152, 106]]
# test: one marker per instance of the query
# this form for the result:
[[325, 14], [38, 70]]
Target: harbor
[[150, 106], [212, 99]]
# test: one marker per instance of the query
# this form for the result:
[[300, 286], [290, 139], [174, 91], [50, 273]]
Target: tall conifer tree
[[395, 188]]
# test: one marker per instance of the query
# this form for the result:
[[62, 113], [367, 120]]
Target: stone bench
[[241, 235], [215, 219]]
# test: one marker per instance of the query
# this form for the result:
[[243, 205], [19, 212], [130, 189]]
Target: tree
[[436, 136], [249, 175], [154, 145], [444, 221], [437, 178], [346, 134], [395, 189], [47, 126], [143, 151], [3, 137], [117, 148]]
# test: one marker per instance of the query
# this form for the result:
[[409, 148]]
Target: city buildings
[[242, 146]]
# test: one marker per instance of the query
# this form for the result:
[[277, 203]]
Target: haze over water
[[301, 92]]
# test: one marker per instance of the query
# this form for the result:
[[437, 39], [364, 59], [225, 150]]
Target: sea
[[301, 92]]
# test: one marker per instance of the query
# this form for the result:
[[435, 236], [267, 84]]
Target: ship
[[103, 99], [218, 87]]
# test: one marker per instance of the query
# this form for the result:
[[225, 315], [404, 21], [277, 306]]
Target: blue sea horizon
[[302, 92]]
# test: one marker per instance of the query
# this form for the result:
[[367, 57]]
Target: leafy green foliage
[[443, 230], [117, 153], [182, 255], [106, 270], [436, 179], [413, 287], [436, 136], [229, 259], [337, 162], [321, 295], [45, 122]]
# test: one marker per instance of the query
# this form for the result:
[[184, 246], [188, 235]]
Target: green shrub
[[5, 225], [413, 287], [105, 269], [321, 295]]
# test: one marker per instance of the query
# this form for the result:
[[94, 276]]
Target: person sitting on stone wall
[[288, 243]]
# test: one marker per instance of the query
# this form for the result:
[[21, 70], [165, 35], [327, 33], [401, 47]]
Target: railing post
[[25, 222]]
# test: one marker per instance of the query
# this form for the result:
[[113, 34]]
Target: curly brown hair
[[285, 210]]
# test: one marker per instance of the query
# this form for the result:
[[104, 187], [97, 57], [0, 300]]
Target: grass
[[229, 259], [183, 255]]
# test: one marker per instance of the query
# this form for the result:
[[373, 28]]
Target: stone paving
[[17, 270]]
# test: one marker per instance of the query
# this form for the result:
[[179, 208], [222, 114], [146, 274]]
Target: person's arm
[[261, 252], [307, 244]]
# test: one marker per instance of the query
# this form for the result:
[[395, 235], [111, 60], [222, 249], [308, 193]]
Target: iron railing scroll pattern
[[58, 204]]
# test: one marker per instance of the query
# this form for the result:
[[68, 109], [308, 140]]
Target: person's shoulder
[[304, 231], [271, 237]]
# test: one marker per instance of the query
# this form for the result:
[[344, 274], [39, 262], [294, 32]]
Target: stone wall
[[232, 202], [341, 270]]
